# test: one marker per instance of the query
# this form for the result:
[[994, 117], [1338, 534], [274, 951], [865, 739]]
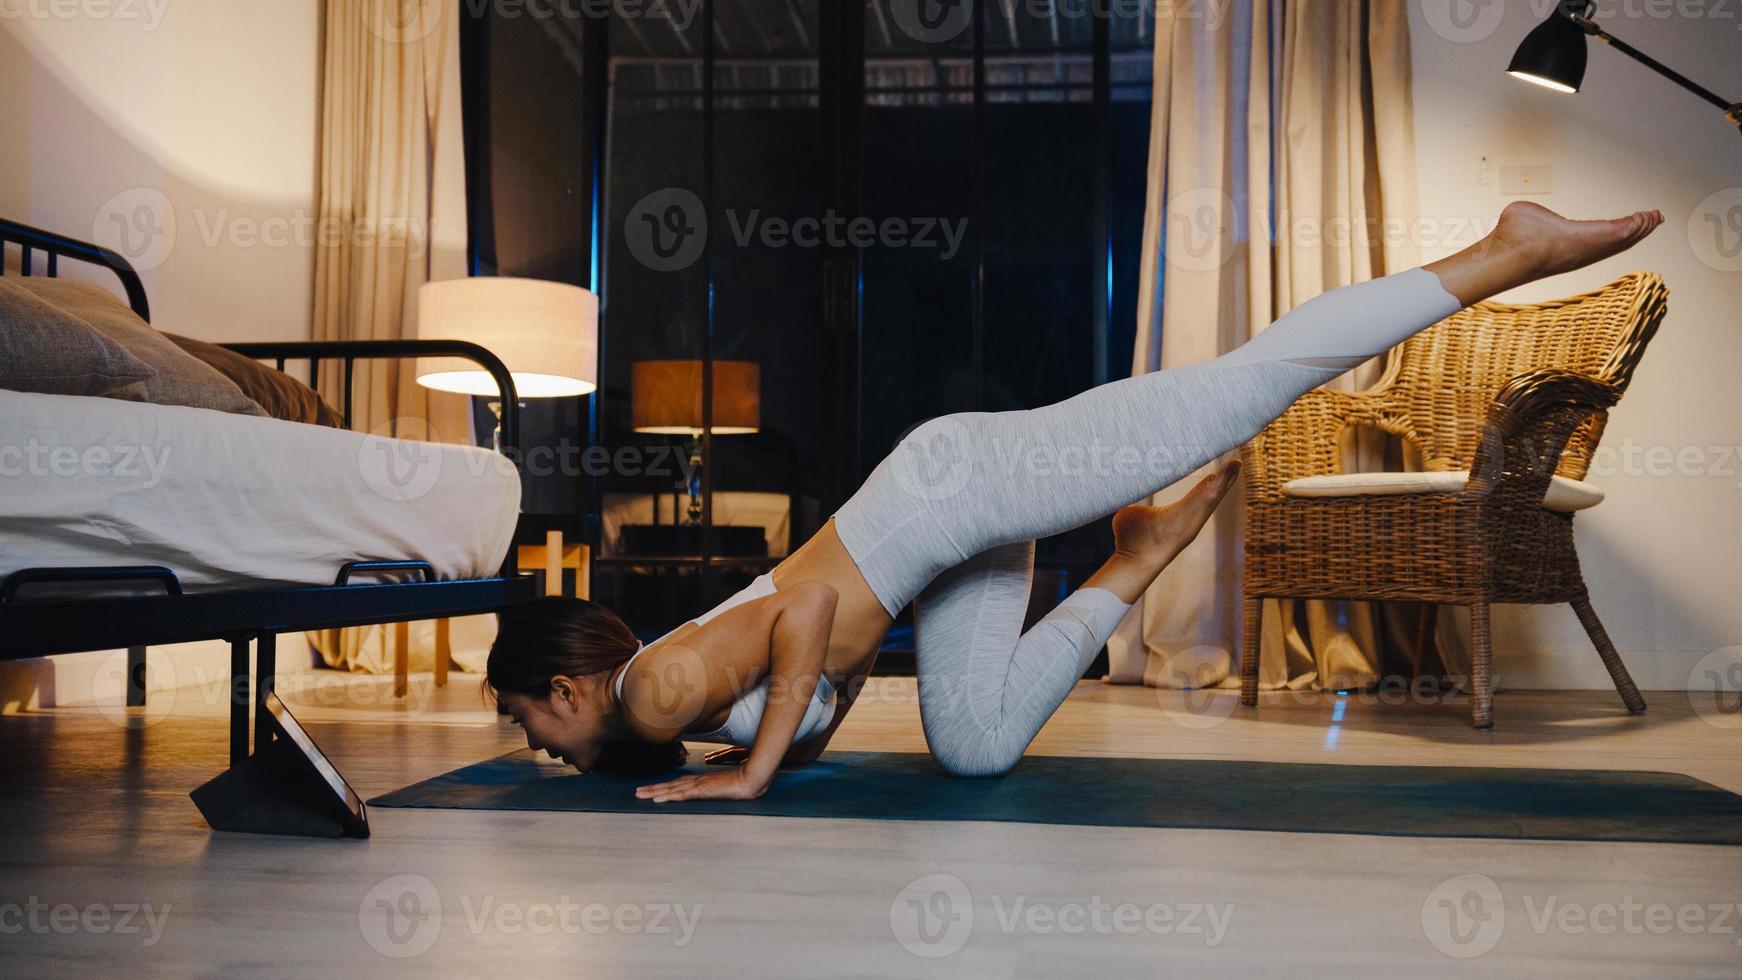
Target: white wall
[[193, 115], [194, 118], [1661, 554]]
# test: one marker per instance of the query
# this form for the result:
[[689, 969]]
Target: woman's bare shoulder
[[698, 669]]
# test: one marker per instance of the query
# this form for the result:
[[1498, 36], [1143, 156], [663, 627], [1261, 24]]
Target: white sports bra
[[746, 712]]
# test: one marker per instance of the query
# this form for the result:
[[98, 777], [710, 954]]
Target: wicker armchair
[[1513, 394]]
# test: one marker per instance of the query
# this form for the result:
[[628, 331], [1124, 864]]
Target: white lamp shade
[[546, 332]]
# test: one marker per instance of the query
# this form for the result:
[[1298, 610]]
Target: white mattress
[[235, 501]]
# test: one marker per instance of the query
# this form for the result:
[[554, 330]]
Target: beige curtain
[[1282, 165], [392, 216]]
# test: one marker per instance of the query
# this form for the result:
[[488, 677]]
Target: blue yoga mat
[[1394, 801]]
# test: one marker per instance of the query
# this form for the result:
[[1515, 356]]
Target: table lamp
[[1553, 56], [665, 396], [547, 333]]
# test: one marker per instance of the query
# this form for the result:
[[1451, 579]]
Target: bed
[[126, 524], [95, 481]]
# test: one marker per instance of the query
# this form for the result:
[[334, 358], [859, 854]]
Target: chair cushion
[[1564, 495]]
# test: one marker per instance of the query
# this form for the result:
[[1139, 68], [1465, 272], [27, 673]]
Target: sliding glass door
[[836, 220]]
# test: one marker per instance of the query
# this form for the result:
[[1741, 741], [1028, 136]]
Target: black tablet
[[285, 725]]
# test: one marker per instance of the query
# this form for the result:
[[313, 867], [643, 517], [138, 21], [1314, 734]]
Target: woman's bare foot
[[1530, 242], [1155, 535], [1147, 538], [1551, 244]]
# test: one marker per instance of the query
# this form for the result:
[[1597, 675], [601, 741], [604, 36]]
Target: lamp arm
[[1732, 110]]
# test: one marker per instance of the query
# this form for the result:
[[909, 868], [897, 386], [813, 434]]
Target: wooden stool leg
[[1481, 664], [1249, 647], [443, 651], [401, 659], [1612, 660]]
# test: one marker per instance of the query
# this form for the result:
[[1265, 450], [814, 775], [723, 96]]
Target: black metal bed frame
[[71, 623]]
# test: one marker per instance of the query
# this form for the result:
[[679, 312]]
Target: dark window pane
[[764, 229], [917, 299], [655, 310]]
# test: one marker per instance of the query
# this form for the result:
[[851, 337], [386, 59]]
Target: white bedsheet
[[233, 501]]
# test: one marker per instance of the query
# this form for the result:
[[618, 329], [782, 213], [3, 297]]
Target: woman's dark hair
[[557, 635]]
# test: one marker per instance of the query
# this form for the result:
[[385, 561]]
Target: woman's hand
[[732, 784], [731, 755]]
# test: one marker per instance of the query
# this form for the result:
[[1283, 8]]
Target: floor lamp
[[546, 333], [1553, 56]]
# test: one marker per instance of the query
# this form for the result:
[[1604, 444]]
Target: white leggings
[[948, 520]]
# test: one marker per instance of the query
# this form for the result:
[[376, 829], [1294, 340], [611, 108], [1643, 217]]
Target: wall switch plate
[[1533, 179], [1484, 170]]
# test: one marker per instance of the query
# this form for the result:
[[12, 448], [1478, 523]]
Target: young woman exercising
[[948, 522]]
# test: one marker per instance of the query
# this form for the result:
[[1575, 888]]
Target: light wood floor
[[94, 813]]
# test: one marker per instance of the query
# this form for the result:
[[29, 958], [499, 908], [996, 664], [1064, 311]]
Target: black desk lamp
[[1553, 56]]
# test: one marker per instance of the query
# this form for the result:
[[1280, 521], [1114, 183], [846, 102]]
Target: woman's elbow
[[815, 596]]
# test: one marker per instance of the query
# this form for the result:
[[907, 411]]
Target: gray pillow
[[45, 350], [181, 379]]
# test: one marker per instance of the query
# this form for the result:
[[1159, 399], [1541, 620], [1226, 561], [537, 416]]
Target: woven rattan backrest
[[1447, 374]]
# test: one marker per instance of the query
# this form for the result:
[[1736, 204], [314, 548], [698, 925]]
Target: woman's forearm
[[807, 751], [797, 647]]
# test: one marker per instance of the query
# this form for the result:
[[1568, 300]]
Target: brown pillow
[[45, 350], [182, 379], [278, 394]]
